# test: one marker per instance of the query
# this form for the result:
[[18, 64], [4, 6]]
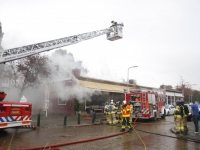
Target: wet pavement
[[147, 134], [190, 135]]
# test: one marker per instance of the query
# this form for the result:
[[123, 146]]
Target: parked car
[[189, 117], [199, 108], [169, 109]]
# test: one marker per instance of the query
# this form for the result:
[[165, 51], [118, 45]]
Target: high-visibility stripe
[[15, 105], [6, 104], [18, 118], [1, 119], [14, 118], [26, 118]]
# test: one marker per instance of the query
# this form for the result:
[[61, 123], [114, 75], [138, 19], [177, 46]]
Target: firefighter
[[126, 110], [106, 113], [1, 33], [131, 106], [114, 25], [118, 112], [186, 113], [178, 120], [113, 102], [111, 113]]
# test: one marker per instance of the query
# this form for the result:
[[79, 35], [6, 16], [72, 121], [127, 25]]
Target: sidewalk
[[43, 121], [190, 135]]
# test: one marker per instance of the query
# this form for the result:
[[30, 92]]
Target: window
[[26, 109], [2, 110], [61, 101]]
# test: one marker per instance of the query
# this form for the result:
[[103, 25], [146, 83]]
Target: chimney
[[76, 72]]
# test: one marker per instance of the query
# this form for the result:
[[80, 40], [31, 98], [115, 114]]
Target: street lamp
[[128, 75], [191, 91]]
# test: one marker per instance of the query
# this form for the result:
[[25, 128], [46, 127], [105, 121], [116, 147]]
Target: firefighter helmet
[[124, 102], [177, 107], [180, 103]]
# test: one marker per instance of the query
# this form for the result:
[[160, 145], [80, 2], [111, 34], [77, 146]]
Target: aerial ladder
[[113, 33]]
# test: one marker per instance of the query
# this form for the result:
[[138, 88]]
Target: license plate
[[15, 112]]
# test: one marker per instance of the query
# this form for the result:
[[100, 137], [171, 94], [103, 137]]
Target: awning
[[179, 94], [174, 94], [90, 85], [103, 87]]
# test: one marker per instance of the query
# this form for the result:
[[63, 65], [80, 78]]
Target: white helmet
[[124, 102]]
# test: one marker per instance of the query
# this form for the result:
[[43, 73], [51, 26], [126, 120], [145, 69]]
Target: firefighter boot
[[122, 130], [130, 129], [185, 130]]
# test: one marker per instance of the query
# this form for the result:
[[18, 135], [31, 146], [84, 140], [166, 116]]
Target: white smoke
[[62, 67], [63, 80]]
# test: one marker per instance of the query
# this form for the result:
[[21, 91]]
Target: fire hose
[[71, 142]]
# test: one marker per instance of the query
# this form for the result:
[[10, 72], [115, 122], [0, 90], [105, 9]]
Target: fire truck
[[146, 104], [15, 114]]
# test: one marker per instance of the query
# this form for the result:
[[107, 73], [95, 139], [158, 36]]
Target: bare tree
[[28, 72], [185, 87]]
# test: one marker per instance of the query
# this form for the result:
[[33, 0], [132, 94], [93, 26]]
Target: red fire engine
[[14, 114], [146, 104]]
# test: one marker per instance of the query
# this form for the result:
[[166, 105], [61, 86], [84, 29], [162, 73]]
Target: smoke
[[63, 80], [62, 66]]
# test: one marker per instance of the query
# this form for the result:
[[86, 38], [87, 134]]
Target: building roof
[[108, 86], [118, 87]]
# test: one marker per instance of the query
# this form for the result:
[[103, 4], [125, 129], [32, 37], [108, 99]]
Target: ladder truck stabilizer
[[112, 33]]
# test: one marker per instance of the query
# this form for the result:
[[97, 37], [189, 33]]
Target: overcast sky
[[161, 37]]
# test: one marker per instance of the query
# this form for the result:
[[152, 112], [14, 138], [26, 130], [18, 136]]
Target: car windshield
[[166, 106], [169, 106]]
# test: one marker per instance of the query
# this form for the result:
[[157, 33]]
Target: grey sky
[[161, 37]]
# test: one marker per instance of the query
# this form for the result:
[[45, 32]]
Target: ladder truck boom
[[114, 32]]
